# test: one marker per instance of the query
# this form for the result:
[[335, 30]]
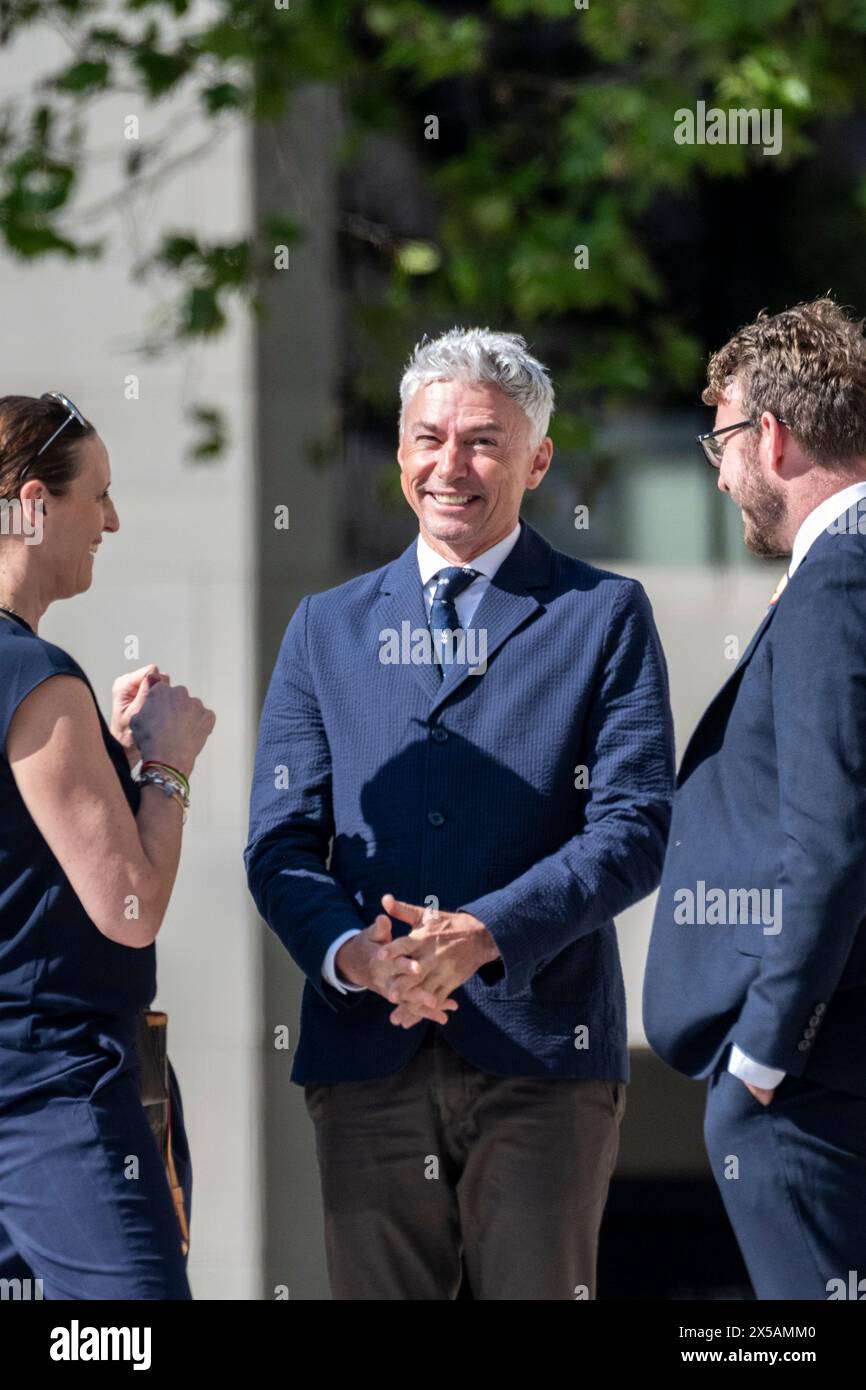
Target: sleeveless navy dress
[[85, 1206]]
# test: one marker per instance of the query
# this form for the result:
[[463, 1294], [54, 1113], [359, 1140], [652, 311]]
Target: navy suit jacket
[[771, 796], [373, 778]]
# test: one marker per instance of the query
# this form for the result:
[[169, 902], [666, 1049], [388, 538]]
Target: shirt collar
[[820, 518], [430, 562]]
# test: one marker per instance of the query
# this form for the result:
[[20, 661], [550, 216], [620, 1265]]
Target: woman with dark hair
[[88, 858]]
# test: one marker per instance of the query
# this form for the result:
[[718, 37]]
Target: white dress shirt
[[810, 529], [430, 563], [818, 520]]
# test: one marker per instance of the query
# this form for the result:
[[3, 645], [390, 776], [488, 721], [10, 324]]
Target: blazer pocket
[[751, 907], [751, 935], [568, 978], [749, 938]]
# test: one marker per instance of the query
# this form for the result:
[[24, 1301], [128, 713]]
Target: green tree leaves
[[555, 130]]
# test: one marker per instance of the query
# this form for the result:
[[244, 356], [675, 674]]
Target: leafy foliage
[[556, 131]]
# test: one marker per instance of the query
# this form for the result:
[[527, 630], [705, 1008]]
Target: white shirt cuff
[[329, 968], [747, 1069]]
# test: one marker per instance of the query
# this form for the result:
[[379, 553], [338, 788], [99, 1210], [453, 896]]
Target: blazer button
[[435, 817], [814, 1020], [820, 1008], [438, 734], [810, 1033], [803, 1046]]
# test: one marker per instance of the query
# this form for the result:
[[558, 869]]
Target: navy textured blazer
[[373, 778], [772, 796]]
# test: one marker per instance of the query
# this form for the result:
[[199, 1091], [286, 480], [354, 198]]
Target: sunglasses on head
[[74, 414]]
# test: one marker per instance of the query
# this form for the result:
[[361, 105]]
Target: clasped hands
[[420, 971]]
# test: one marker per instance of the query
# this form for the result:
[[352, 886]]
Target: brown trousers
[[441, 1160]]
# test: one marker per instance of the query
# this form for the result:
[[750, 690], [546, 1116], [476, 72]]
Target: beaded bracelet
[[168, 770], [167, 785]]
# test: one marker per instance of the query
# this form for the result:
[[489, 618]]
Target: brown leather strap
[[174, 1185]]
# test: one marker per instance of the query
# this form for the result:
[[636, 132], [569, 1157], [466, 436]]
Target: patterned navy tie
[[443, 612]]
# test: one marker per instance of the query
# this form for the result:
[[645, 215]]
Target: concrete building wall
[[178, 578], [298, 364]]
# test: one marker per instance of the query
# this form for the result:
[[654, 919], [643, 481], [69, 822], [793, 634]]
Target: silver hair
[[479, 355]]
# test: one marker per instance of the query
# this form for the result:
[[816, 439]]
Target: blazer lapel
[[727, 692], [401, 601], [756, 637], [506, 605]]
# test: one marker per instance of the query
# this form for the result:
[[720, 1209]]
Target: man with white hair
[[464, 772]]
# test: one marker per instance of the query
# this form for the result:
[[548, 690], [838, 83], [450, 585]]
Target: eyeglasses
[[74, 414], [713, 448]]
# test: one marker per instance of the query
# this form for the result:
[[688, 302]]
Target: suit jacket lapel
[[505, 606], [727, 692], [401, 600], [756, 637]]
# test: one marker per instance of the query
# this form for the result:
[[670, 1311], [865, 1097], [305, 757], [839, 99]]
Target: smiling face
[[465, 462], [74, 524], [745, 474]]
